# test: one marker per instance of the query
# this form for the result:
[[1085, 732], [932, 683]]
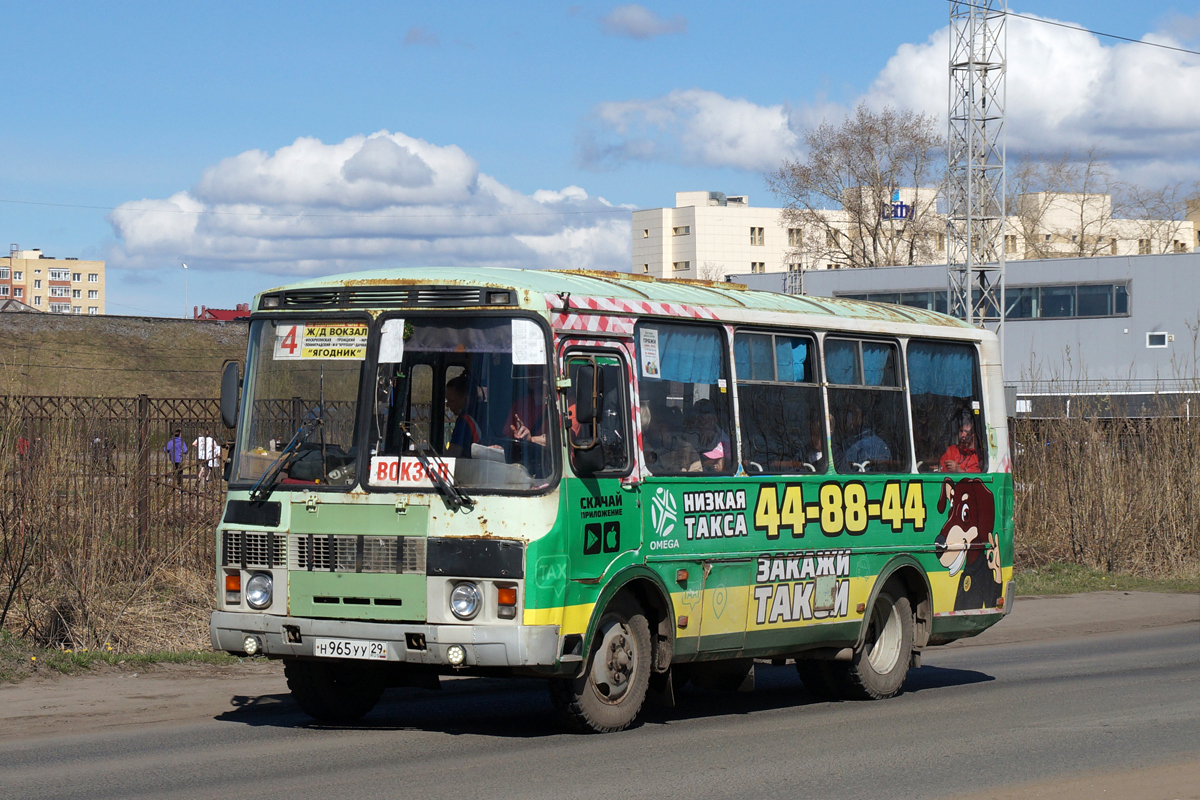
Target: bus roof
[[533, 285]]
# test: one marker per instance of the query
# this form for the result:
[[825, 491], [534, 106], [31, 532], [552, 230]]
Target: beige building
[[55, 285], [709, 235]]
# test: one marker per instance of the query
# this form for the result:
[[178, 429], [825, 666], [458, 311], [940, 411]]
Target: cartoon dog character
[[967, 545]]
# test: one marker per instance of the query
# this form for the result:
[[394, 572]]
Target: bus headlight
[[465, 600], [258, 590]]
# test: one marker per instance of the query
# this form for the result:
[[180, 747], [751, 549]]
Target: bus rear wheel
[[609, 694], [880, 665], [333, 691]]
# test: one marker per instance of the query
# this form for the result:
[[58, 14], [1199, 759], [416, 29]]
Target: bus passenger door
[[602, 501]]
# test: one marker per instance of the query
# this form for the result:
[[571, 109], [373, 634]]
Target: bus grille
[[253, 549], [394, 554]]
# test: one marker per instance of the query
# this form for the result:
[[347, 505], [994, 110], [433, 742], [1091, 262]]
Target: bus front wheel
[[333, 691], [609, 694], [879, 667]]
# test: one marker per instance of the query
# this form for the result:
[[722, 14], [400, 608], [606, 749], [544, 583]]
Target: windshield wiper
[[269, 480], [435, 468]]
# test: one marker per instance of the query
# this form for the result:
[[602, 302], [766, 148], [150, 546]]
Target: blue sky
[[263, 142]]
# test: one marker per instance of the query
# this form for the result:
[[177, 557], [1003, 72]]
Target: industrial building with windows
[[33, 281]]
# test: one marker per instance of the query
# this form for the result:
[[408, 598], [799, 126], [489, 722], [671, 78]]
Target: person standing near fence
[[208, 453], [176, 450]]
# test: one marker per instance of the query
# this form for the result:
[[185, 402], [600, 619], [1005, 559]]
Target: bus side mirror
[[585, 394], [231, 382]]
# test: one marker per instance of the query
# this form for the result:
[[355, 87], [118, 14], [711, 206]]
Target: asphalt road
[[971, 718]]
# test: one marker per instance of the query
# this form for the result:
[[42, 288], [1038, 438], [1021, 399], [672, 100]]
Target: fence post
[[143, 471]]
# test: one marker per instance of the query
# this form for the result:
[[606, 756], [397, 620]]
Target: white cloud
[[1065, 89], [386, 199], [638, 22], [693, 127]]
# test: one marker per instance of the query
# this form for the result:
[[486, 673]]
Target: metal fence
[[71, 459]]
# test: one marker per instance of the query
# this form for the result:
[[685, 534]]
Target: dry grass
[[1120, 496]]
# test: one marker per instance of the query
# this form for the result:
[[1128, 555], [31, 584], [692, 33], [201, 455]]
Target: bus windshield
[[469, 398], [302, 386]]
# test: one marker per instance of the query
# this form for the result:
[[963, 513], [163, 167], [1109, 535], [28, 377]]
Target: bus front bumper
[[415, 643]]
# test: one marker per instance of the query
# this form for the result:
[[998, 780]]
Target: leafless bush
[[1119, 495]]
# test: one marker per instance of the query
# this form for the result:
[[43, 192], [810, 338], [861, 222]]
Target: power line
[[1082, 29]]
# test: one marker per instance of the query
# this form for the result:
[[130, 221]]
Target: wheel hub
[[614, 663]]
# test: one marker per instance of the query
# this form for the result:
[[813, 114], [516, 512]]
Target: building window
[[76, 310], [681, 266], [793, 267], [60, 291], [1082, 300], [794, 237], [3, 273], [1112, 247], [76, 293], [4, 291], [37, 301], [831, 239], [645, 268], [94, 295], [60, 274], [1157, 339], [758, 267], [93, 277], [76, 276], [1180, 247], [60, 308], [37, 284], [1143, 247], [645, 235], [1010, 244], [18, 291], [18, 276], [93, 311], [756, 237], [682, 230]]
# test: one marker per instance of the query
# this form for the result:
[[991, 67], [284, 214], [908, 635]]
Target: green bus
[[615, 483]]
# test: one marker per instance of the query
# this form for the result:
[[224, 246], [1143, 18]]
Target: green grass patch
[[1074, 579], [19, 659]]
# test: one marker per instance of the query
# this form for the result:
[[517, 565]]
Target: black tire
[[881, 664], [334, 691], [609, 694]]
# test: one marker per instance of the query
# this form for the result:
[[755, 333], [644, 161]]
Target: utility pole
[[975, 185]]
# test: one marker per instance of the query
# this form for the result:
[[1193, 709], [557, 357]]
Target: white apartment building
[[55, 285], [709, 235]]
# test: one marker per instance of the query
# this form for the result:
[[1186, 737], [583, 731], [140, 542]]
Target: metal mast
[[975, 213]]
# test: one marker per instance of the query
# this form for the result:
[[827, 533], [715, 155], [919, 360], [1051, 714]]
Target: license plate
[[350, 648]]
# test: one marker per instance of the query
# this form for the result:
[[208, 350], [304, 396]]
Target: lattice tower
[[976, 162]]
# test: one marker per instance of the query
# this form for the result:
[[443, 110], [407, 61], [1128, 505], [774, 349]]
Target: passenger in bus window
[[527, 417], [465, 432], [861, 444], [712, 442], [962, 455], [814, 458], [667, 452]]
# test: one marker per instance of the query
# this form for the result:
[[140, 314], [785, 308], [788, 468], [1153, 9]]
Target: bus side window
[[945, 390], [779, 401], [687, 424], [866, 402]]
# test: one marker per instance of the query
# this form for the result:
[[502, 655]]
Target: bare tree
[[1158, 217], [711, 271], [1065, 204], [851, 200]]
